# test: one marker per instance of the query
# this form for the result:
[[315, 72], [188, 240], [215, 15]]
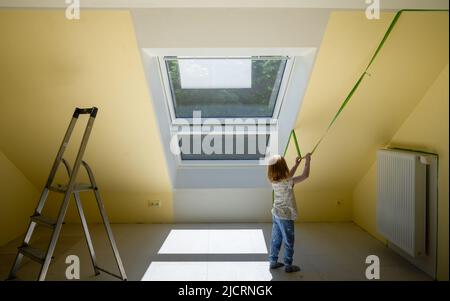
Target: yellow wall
[[365, 202], [323, 206], [18, 197], [425, 129], [50, 65], [411, 59]]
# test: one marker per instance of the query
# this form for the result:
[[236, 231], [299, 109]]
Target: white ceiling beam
[[327, 4]]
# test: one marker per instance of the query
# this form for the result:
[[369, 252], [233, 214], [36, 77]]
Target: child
[[284, 210]]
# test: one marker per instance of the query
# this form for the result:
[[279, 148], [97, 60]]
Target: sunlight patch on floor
[[207, 241], [208, 271]]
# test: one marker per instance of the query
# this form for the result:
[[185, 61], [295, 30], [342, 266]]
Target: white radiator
[[402, 200]]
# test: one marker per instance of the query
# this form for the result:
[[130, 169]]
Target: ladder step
[[33, 253], [44, 221], [76, 188]]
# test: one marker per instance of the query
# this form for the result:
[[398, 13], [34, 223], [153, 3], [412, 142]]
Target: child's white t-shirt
[[284, 205]]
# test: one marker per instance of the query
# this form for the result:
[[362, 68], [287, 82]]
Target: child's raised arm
[[294, 168], [305, 173]]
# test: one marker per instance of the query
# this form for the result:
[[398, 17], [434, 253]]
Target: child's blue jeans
[[282, 230]]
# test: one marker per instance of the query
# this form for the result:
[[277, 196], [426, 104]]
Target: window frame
[[222, 162], [221, 121], [272, 123]]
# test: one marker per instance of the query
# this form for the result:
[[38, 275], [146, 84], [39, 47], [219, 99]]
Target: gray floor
[[325, 251]]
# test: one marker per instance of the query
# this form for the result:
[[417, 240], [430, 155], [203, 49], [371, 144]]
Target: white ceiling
[[341, 4]]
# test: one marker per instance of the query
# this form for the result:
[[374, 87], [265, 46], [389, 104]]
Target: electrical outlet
[[154, 203]]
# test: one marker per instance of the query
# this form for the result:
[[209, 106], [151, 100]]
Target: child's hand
[[308, 156], [298, 160]]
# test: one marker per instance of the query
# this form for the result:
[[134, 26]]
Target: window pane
[[223, 147], [225, 87]]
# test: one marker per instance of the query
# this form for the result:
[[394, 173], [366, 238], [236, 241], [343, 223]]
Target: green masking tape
[[358, 82], [293, 135], [355, 87]]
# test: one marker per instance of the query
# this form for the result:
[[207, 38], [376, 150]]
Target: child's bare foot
[[276, 265], [291, 268]]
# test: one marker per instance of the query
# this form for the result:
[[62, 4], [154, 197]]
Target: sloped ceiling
[[409, 62], [49, 66]]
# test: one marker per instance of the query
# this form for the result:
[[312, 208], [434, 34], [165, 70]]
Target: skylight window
[[230, 87], [230, 107], [224, 108]]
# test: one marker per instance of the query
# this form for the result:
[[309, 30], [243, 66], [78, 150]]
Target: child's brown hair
[[278, 170]]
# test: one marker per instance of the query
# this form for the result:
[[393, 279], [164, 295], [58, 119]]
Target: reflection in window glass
[[225, 87]]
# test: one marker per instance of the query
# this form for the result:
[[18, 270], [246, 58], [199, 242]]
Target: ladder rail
[[61, 151], [87, 235], [63, 209], [106, 222], [84, 224]]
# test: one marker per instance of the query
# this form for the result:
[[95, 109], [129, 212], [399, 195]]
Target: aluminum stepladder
[[45, 257]]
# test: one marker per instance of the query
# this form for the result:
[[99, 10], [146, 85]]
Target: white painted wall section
[[222, 205]]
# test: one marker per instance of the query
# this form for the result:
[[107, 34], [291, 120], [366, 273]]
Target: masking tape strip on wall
[[355, 87]]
